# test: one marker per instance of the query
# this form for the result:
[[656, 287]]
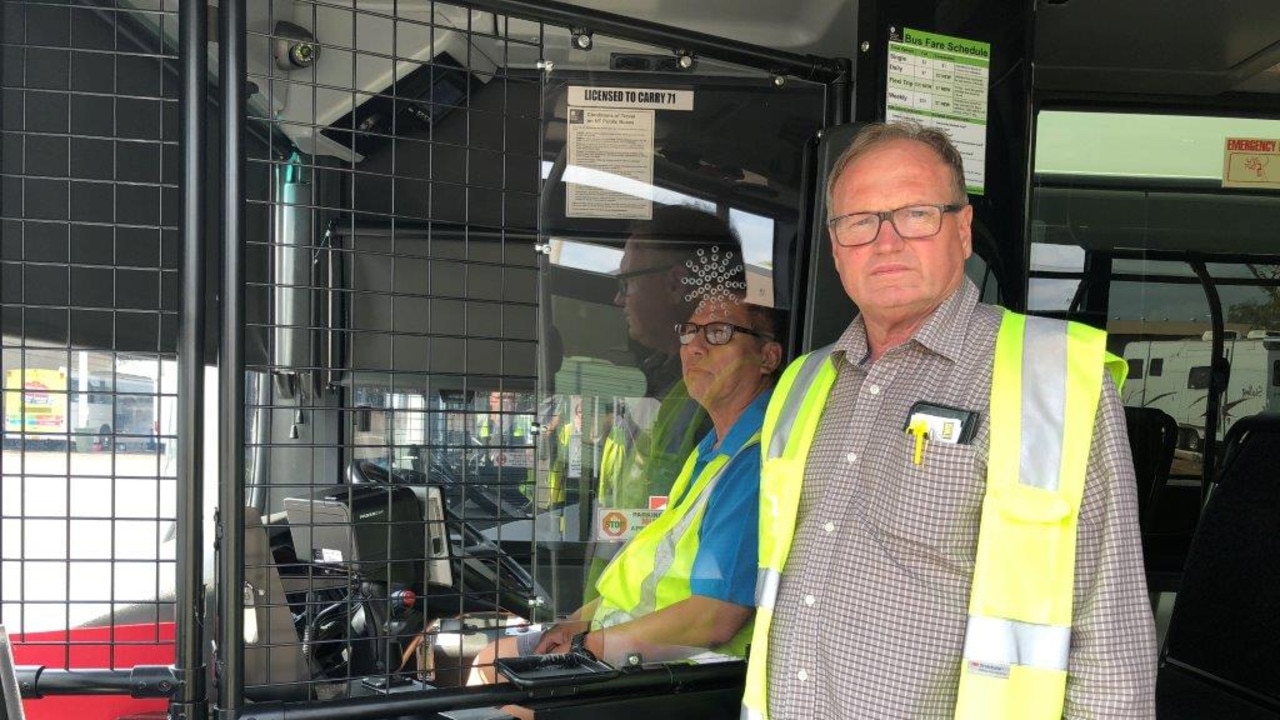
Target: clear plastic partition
[[665, 177]]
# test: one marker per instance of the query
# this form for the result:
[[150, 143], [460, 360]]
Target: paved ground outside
[[83, 534]]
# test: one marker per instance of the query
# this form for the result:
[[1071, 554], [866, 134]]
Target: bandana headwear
[[715, 280]]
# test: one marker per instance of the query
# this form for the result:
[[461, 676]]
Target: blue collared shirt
[[728, 538]]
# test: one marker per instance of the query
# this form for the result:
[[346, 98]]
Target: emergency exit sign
[[1251, 163]]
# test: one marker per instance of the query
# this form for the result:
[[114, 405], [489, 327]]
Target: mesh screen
[[392, 285], [88, 316]]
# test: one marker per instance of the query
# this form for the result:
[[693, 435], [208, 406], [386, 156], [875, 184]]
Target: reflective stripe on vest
[[1044, 397], [790, 424], [665, 556], [1018, 635], [666, 541]]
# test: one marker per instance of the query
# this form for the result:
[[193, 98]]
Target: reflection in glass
[[624, 207], [1125, 207], [663, 454]]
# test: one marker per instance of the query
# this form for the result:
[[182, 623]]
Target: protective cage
[[390, 331], [376, 311], [89, 286]]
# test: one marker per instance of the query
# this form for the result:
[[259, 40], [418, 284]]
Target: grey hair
[[879, 133]]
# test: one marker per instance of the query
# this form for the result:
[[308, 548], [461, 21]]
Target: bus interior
[[316, 330]]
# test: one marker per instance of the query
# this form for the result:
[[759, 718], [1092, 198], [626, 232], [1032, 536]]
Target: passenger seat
[[1167, 515], [1220, 658], [1153, 436]]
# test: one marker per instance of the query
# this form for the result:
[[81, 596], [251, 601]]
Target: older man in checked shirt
[[875, 598]]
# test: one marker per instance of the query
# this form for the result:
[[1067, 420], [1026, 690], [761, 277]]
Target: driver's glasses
[[625, 280], [717, 333], [911, 222]]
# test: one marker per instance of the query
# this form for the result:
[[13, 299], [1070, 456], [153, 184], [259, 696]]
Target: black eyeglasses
[[911, 222], [624, 279], [716, 333]]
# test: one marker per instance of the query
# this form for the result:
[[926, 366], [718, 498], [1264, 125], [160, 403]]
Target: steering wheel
[[361, 472], [369, 472]]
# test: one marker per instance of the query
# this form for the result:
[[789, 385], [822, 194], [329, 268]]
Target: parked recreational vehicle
[[1174, 376]]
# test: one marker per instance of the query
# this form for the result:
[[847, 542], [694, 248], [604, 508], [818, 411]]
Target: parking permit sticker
[[618, 524]]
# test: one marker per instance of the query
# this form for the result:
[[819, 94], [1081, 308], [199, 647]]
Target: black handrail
[[141, 681], [662, 679], [1219, 372], [232, 62], [193, 18]]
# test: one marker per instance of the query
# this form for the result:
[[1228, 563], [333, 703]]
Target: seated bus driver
[[701, 596], [644, 442]]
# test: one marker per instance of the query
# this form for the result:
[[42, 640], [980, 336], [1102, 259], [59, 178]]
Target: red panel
[[120, 647]]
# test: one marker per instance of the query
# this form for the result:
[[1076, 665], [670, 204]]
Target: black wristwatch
[[579, 644]]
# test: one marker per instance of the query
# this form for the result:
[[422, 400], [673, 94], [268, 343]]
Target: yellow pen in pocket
[[920, 429]]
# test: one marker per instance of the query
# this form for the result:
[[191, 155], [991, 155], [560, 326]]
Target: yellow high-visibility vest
[[654, 569], [484, 428], [1014, 663], [639, 463], [557, 478], [636, 465]]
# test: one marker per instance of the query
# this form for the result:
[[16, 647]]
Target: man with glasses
[[651, 288], [685, 583], [949, 515], [649, 438], [644, 439]]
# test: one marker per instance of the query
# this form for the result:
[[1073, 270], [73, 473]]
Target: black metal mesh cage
[[391, 326], [88, 318]]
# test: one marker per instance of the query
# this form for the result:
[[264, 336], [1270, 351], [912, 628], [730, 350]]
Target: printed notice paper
[[610, 173], [610, 170]]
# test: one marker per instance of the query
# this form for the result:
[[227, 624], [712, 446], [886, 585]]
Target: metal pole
[[10, 695], [808, 67], [1219, 375], [231, 73], [838, 111], [190, 702], [840, 100]]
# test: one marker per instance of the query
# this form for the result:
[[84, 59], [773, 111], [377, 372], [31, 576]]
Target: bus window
[[1122, 203], [1132, 231]]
